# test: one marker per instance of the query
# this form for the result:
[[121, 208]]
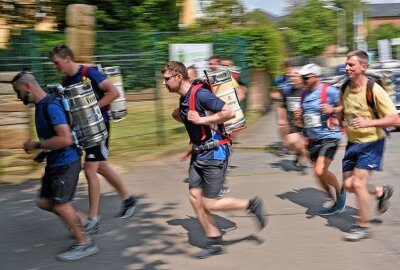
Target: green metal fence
[[140, 56]]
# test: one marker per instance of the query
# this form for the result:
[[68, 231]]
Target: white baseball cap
[[309, 69]]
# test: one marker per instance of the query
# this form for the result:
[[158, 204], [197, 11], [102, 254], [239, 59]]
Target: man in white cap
[[323, 139]]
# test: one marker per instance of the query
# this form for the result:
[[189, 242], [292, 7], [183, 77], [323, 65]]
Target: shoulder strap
[[46, 107], [84, 71], [192, 96], [324, 93], [370, 97], [344, 86]]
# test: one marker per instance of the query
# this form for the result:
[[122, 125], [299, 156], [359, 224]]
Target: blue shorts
[[367, 156]]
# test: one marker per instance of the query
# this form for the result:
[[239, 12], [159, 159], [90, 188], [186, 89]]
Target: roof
[[383, 10]]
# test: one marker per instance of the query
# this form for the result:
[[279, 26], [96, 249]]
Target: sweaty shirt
[[355, 104], [315, 122], [45, 130], [206, 103], [96, 77]]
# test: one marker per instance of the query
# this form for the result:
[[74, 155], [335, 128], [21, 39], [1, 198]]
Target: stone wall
[[258, 92], [15, 165]]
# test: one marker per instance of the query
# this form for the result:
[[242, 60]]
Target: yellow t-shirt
[[355, 104]]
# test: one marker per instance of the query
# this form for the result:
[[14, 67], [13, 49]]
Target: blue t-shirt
[[206, 104], [313, 116], [96, 77], [282, 83], [45, 130]]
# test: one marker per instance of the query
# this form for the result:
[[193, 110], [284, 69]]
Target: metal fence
[[140, 56]]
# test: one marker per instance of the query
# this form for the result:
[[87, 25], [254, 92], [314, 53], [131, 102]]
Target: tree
[[221, 14], [384, 31], [310, 28], [159, 15]]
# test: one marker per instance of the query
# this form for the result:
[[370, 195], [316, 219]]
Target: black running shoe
[[128, 208], [209, 250], [256, 207], [383, 201]]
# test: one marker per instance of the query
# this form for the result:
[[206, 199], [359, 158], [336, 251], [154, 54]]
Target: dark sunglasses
[[166, 79], [305, 78]]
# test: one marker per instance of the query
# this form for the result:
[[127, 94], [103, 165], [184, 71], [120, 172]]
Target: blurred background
[[139, 36]]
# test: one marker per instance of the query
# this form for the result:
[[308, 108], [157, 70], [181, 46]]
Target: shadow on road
[[313, 200], [197, 237]]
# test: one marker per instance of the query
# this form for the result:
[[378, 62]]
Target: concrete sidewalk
[[164, 233]]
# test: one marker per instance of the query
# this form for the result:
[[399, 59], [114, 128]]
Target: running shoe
[[76, 252], [223, 191], [128, 208], [256, 207], [328, 211], [383, 201], [341, 201], [92, 225], [209, 250], [358, 233]]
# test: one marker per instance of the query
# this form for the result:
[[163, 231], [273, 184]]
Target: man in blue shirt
[[209, 158], [63, 161], [323, 140], [96, 159]]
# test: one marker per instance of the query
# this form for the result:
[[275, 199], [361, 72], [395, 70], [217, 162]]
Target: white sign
[[395, 41], [191, 54], [384, 50]]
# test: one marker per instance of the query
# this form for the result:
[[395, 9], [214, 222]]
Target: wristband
[[38, 145]]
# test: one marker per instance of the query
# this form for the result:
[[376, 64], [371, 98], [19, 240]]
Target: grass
[[139, 136], [149, 131]]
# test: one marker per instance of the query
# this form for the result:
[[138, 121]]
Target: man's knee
[[44, 204]]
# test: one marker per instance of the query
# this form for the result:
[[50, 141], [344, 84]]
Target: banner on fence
[[191, 54]]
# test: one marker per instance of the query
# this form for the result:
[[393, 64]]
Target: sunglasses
[[305, 78], [166, 79]]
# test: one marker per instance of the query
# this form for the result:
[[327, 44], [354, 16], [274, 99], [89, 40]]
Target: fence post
[[159, 102], [36, 62]]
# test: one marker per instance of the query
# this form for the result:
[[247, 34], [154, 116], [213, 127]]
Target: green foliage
[[159, 15], [221, 14], [384, 31], [310, 29]]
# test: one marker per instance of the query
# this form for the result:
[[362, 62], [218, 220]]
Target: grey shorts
[[59, 183], [208, 175]]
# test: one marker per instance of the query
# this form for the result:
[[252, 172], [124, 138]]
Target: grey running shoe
[[92, 226], [256, 207], [328, 211], [76, 252], [383, 201], [341, 201], [210, 250], [128, 208], [358, 233], [223, 191]]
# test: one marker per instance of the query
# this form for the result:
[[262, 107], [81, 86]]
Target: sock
[[217, 240]]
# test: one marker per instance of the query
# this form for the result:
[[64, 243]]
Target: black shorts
[[99, 152], [295, 129], [323, 148], [59, 183], [208, 175]]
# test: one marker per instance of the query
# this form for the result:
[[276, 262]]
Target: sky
[[277, 7]]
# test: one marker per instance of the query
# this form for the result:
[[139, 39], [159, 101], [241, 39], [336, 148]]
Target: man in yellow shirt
[[366, 140]]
